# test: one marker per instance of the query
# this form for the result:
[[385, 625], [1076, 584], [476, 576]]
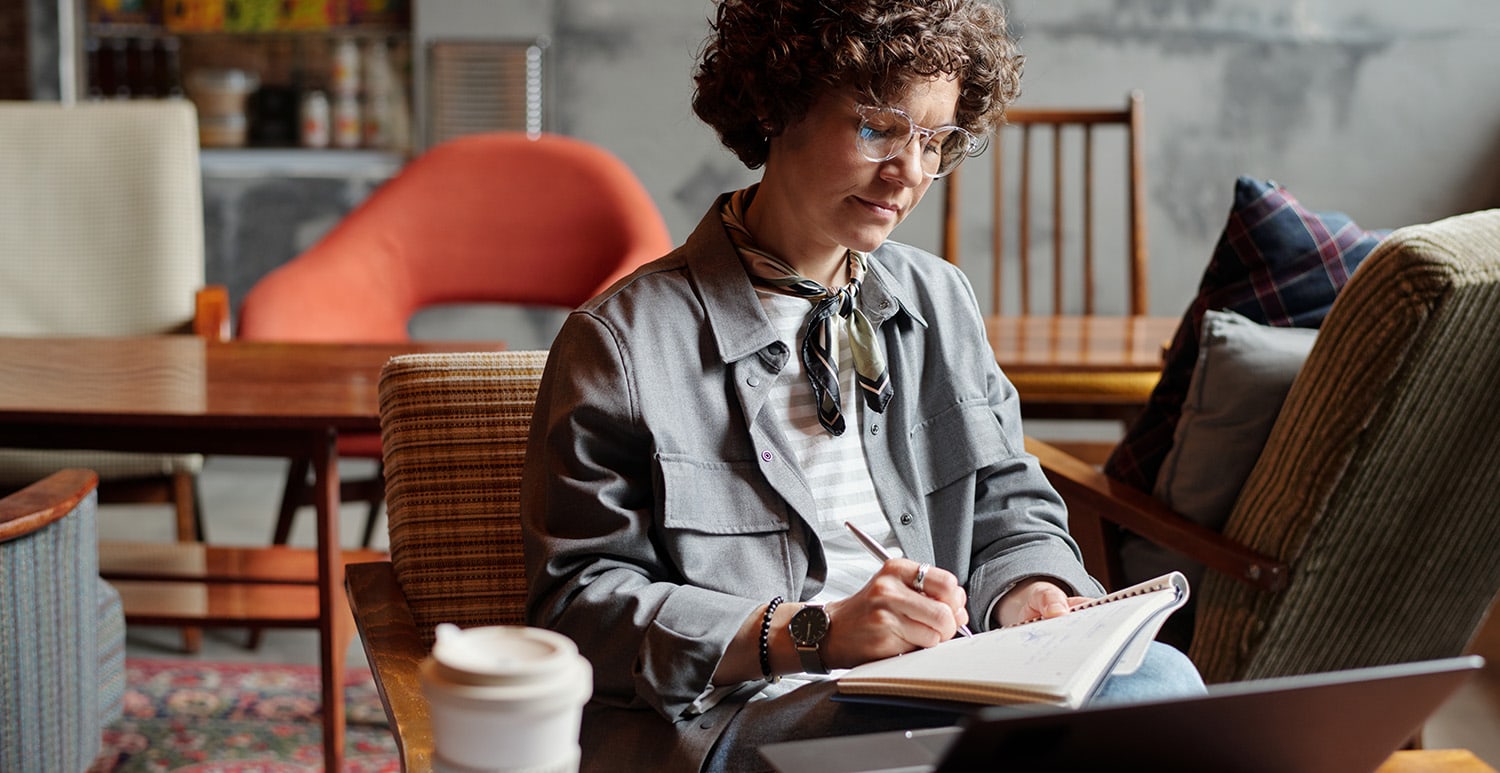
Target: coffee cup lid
[[501, 654]]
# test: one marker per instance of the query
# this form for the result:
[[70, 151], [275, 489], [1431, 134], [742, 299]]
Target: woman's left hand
[[1035, 598]]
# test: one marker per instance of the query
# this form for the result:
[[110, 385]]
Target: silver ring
[[921, 576]]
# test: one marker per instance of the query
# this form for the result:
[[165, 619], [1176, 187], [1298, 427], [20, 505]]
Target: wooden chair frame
[[1374, 485], [1057, 123]]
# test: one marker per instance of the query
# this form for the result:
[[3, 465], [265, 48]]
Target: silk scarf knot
[[830, 307]]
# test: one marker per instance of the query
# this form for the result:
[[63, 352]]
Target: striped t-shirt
[[834, 466]]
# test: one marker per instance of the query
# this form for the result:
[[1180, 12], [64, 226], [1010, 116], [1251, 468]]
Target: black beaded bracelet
[[765, 641]]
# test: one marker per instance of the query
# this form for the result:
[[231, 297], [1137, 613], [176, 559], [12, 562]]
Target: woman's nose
[[906, 166]]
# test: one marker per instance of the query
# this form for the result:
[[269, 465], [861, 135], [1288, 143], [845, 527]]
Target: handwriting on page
[[1060, 641], [1045, 652]]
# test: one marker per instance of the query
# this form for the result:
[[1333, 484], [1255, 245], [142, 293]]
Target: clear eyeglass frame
[[886, 131]]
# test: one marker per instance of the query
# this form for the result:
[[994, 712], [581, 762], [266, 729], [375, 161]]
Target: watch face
[[809, 625]]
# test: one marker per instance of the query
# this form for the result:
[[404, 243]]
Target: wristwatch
[[808, 629]]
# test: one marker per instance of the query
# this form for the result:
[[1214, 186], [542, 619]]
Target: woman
[[706, 427]]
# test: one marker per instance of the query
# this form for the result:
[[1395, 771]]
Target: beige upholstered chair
[[101, 234], [453, 429], [1368, 531]]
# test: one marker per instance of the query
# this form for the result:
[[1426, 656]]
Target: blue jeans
[[1165, 673], [808, 712]]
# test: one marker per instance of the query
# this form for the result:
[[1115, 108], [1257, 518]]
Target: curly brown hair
[[767, 61]]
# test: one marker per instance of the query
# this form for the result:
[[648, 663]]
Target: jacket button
[[906, 519], [753, 381], [765, 456], [874, 429]]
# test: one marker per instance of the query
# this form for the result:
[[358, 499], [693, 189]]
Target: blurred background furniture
[[1066, 229], [1055, 362], [101, 233], [1060, 191], [1368, 529], [494, 218], [246, 398], [62, 630], [455, 428]]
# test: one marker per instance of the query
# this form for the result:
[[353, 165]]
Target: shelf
[[182, 603], [157, 30], [300, 162], [172, 583]]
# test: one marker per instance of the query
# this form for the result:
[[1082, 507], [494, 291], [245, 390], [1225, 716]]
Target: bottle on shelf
[[119, 55], [347, 129], [168, 67], [344, 69], [141, 73], [315, 118], [380, 82], [100, 68]]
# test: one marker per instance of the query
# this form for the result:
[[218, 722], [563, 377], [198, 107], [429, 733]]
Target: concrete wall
[[1389, 111]]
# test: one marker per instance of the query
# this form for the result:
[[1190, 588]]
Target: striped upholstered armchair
[[62, 647], [1368, 530], [453, 430]]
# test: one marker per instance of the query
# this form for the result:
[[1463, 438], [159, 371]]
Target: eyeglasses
[[886, 131]]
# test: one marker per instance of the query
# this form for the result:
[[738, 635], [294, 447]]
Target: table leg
[[332, 642]]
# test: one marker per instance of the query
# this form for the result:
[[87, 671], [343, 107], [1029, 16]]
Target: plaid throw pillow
[[1276, 263]]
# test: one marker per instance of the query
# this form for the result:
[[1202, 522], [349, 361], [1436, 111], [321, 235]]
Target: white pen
[[878, 551]]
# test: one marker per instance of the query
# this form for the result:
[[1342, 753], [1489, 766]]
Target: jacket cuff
[[683, 646]]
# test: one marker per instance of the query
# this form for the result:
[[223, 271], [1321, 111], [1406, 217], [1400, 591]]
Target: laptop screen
[[1329, 723]]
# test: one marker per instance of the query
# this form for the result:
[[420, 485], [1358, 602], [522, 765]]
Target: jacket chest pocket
[[723, 524], [956, 443]]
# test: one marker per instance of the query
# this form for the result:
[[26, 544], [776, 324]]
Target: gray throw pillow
[[1243, 373]]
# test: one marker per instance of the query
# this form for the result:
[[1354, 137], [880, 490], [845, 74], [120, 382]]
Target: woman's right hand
[[888, 616]]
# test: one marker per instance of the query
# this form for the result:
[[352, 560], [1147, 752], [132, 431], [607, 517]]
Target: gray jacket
[[661, 506]]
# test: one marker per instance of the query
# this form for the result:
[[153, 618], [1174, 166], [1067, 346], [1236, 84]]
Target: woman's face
[[819, 196]]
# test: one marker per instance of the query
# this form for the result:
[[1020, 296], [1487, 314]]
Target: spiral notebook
[[1337, 722], [1060, 661]]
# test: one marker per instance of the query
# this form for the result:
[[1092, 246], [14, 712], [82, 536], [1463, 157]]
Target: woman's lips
[[884, 208]]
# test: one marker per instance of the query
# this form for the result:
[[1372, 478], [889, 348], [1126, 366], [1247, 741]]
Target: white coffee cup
[[505, 698]]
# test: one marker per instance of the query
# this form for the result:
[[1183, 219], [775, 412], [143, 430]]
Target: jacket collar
[[735, 316]]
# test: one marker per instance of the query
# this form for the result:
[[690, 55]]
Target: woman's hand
[[888, 616], [1035, 598]]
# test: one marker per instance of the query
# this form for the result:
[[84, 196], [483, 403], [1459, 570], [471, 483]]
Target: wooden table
[[1078, 367], [183, 394], [1435, 761]]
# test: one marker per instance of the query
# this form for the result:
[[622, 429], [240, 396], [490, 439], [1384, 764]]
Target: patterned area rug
[[204, 717]]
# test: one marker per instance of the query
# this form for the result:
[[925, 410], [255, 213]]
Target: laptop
[[1323, 723]]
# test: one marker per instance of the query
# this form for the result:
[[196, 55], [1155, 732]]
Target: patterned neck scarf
[[774, 274]]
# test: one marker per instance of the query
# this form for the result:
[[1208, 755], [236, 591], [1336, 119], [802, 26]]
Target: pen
[[876, 550]]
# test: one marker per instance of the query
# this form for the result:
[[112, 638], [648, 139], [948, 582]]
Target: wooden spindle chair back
[[1077, 202]]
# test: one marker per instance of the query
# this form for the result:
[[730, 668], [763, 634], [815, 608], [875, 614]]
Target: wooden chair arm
[[211, 313], [394, 650], [1098, 506], [44, 502]]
